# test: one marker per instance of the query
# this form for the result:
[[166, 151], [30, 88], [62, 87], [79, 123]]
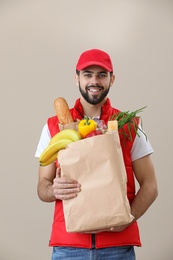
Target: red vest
[[129, 236]]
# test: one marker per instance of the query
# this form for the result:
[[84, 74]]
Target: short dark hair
[[78, 72]]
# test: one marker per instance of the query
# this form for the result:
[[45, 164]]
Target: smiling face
[[94, 84]]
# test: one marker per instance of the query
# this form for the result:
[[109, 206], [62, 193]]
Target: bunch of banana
[[58, 142]]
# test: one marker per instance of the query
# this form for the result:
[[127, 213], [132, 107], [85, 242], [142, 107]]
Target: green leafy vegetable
[[128, 118]]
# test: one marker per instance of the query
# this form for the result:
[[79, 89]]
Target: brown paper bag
[[97, 164], [73, 125]]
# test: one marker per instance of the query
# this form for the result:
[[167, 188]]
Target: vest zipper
[[93, 241]]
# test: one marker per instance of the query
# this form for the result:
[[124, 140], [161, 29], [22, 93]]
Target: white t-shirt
[[141, 146]]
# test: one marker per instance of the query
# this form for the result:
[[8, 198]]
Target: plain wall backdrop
[[40, 42]]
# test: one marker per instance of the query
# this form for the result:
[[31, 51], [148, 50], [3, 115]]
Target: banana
[[58, 142], [52, 149], [50, 160], [66, 133]]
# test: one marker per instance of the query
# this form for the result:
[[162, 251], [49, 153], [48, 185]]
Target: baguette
[[63, 111]]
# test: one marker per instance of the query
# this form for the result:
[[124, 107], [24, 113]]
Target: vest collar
[[105, 110]]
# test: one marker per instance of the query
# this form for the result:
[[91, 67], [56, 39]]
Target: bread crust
[[63, 111]]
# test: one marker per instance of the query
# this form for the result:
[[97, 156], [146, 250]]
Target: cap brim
[[90, 63]]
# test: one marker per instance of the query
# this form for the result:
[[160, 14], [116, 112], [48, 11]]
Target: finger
[[65, 196], [65, 187], [58, 172], [66, 191], [66, 180], [62, 180]]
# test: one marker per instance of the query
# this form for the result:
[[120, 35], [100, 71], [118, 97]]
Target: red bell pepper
[[94, 133]]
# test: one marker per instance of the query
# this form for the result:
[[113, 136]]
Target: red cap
[[94, 57]]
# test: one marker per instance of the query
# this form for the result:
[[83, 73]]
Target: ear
[[112, 80], [77, 79]]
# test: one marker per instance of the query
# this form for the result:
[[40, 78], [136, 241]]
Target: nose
[[94, 80]]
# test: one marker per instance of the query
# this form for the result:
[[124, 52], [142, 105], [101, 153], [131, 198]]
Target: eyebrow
[[89, 71]]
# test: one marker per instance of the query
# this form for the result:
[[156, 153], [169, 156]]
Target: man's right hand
[[65, 188]]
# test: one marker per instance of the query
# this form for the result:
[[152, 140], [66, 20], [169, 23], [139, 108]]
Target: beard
[[95, 99]]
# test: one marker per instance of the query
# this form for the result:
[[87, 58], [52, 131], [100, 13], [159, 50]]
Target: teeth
[[94, 89]]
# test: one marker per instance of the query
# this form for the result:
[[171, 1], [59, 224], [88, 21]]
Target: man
[[94, 77]]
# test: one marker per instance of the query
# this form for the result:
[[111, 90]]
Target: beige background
[[40, 42]]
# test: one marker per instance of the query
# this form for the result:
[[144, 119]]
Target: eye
[[87, 75], [102, 75]]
